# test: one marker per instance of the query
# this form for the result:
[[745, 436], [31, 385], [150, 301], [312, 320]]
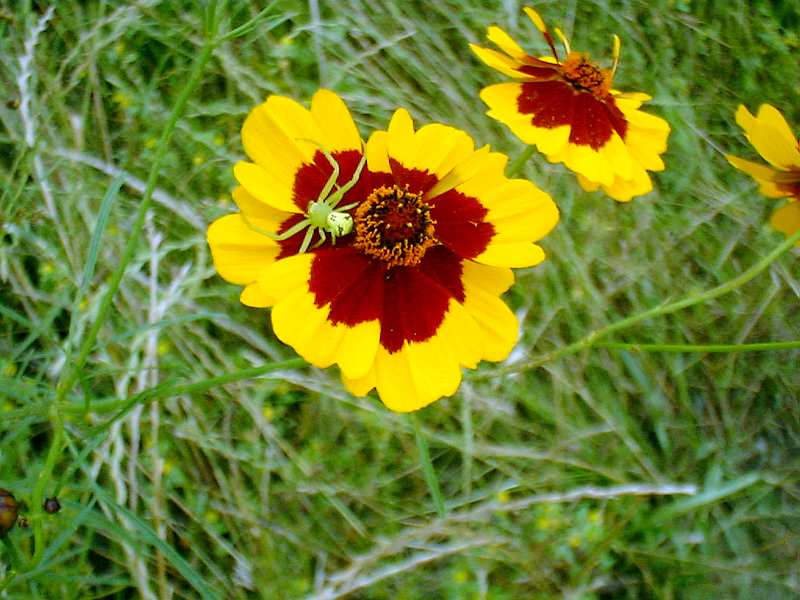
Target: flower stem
[[593, 338], [699, 347], [71, 374], [520, 161], [427, 466]]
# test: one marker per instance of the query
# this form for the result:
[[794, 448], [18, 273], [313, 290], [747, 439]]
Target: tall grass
[[606, 473]]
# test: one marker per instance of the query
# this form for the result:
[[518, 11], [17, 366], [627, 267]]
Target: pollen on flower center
[[581, 72], [394, 225]]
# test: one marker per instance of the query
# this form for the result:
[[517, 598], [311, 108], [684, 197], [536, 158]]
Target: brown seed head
[[9, 511]]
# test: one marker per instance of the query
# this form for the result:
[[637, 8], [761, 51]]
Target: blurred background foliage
[[557, 479]]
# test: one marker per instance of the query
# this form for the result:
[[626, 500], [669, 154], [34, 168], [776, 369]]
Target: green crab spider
[[324, 214]]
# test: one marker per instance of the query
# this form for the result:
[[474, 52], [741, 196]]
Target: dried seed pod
[[52, 506], [9, 511]]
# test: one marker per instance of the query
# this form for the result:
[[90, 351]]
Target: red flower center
[[394, 226], [584, 74]]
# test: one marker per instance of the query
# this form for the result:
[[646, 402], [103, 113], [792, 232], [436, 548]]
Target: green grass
[[562, 478]]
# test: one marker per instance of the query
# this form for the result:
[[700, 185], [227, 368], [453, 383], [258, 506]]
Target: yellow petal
[[506, 43], [644, 146], [377, 153], [400, 133], [586, 161], [395, 382], [771, 136], [300, 323], [767, 177], [255, 297], [286, 275], [624, 190], [787, 219], [618, 156], [537, 20], [264, 187], [519, 211], [422, 372], [514, 254], [769, 115], [435, 148], [255, 208], [238, 252], [270, 137], [360, 386], [483, 286], [464, 171], [776, 149], [499, 62], [339, 131], [503, 100]]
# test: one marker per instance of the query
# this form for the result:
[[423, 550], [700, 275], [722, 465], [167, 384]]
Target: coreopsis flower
[[386, 258], [771, 136], [570, 111]]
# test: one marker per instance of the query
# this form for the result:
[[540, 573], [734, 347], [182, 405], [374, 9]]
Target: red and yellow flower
[[403, 288], [771, 136], [571, 113]]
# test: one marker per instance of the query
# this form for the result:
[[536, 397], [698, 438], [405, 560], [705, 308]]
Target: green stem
[[13, 555], [37, 507], [520, 161], [67, 381], [70, 375], [699, 347], [594, 337], [427, 465]]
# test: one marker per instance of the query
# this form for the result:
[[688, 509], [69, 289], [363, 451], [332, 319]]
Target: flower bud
[[52, 506], [9, 510]]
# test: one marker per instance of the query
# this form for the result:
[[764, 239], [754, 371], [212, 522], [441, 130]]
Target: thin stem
[[67, 381], [36, 508], [13, 555], [518, 163], [699, 347], [594, 337], [70, 376], [427, 465]]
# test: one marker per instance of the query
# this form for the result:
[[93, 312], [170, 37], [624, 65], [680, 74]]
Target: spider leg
[[278, 237], [323, 195], [307, 240], [348, 207], [337, 197]]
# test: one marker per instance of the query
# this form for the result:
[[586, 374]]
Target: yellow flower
[[771, 136], [402, 288], [571, 113]]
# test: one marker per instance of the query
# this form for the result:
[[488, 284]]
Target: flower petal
[[518, 211], [377, 153], [771, 137], [787, 219], [498, 62], [506, 43], [339, 131], [483, 286], [254, 296], [420, 158], [299, 321], [238, 252], [420, 373], [270, 137], [264, 187], [767, 177]]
